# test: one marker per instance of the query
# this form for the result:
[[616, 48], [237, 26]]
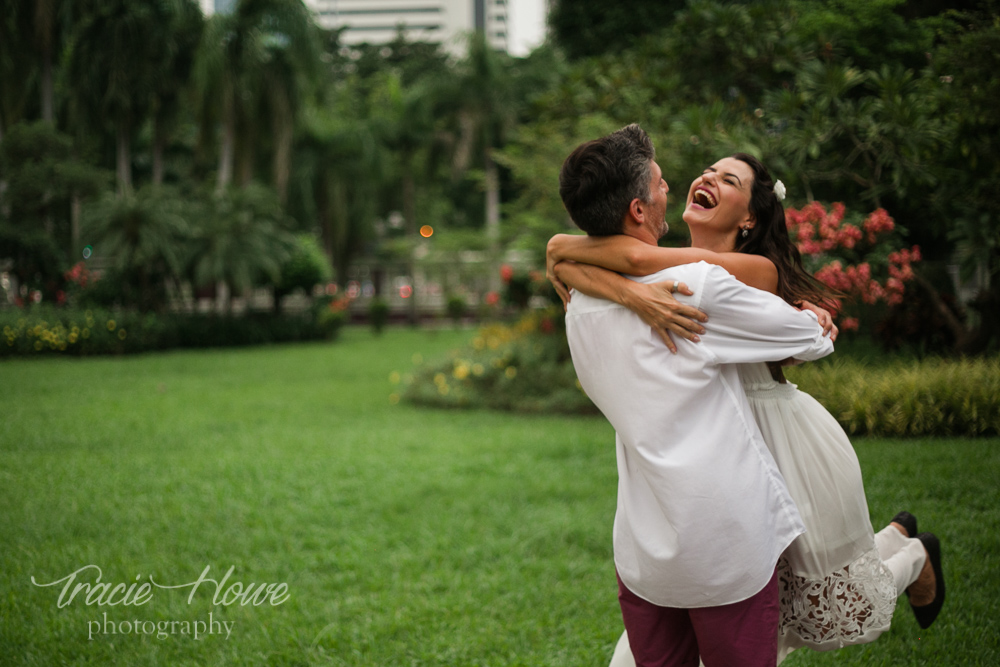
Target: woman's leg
[[904, 556]]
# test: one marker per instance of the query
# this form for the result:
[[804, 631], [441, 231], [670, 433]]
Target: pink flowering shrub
[[862, 259]]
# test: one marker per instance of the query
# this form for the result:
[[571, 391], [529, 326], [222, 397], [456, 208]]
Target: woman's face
[[719, 199]]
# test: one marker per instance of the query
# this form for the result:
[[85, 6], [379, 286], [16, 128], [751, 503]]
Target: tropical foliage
[[257, 123]]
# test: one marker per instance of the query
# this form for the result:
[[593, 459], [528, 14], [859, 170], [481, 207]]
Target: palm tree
[[180, 39], [253, 67], [405, 119], [242, 240], [487, 114], [338, 175], [46, 38], [144, 235], [112, 65], [18, 68]]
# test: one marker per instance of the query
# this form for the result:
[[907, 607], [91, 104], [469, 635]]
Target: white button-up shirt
[[703, 512]]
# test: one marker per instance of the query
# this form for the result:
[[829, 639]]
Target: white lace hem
[[853, 605]]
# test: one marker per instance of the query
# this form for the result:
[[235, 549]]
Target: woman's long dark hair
[[769, 238]]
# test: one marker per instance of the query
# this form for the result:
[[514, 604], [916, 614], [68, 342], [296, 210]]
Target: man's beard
[[664, 228]]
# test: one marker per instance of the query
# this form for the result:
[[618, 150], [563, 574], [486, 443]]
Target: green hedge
[[526, 368], [49, 330], [908, 397]]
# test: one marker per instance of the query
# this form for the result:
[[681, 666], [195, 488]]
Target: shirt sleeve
[[747, 325]]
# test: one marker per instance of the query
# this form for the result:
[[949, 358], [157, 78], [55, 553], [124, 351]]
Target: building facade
[[378, 21]]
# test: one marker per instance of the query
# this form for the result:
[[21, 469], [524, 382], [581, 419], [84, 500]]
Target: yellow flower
[[461, 372], [394, 377], [439, 379], [111, 325], [511, 372], [498, 362], [393, 399], [72, 337], [121, 334], [85, 333], [478, 342], [477, 369], [443, 389]]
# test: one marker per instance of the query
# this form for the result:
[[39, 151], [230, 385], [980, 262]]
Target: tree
[[486, 114], [876, 129], [112, 65], [241, 239], [970, 171], [253, 67], [337, 179], [144, 236], [18, 69], [593, 27], [43, 173], [179, 40]]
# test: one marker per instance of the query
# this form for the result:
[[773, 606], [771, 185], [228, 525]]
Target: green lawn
[[405, 536]]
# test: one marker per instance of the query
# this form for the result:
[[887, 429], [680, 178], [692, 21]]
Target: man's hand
[[655, 304]]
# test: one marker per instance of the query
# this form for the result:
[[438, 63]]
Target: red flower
[[506, 273], [849, 324]]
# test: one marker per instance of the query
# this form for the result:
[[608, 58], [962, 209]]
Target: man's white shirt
[[703, 512]]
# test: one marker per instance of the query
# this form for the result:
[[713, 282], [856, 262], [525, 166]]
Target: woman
[[839, 581]]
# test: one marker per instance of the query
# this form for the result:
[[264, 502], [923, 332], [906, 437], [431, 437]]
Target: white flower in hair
[[779, 190]]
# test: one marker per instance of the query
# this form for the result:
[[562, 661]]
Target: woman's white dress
[[835, 590]]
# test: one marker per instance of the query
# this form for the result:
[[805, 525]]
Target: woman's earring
[[746, 232]]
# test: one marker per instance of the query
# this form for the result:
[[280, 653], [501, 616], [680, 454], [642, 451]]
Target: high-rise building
[[444, 21], [378, 21]]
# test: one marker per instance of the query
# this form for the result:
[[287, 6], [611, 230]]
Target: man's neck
[[641, 233]]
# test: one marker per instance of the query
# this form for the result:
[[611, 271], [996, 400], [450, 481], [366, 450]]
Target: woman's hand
[[655, 304], [551, 259], [824, 317]]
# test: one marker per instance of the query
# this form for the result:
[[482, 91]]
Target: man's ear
[[636, 212]]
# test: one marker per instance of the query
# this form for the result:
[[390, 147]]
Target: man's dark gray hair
[[599, 180]]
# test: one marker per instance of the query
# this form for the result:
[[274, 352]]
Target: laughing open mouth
[[704, 198]]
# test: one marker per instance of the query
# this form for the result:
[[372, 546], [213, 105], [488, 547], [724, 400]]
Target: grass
[[406, 536]]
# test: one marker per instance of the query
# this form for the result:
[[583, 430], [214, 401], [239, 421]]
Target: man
[[703, 512]]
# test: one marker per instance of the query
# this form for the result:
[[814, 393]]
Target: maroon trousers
[[743, 633]]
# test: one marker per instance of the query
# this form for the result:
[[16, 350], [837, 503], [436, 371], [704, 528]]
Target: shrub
[[861, 258], [527, 368], [307, 266], [378, 313], [908, 397], [524, 367], [49, 330], [457, 308]]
